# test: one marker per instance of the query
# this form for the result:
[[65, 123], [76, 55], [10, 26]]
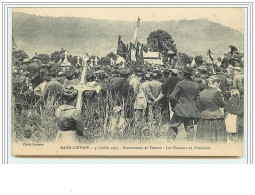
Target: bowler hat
[[218, 69], [124, 72], [188, 70]]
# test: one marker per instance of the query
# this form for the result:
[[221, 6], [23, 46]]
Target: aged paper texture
[[128, 82]]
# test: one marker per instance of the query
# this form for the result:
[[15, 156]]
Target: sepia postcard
[[128, 81]]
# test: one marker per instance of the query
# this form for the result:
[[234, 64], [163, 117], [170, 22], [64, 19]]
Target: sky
[[230, 17]]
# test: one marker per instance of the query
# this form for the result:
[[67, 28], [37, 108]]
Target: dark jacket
[[121, 90], [168, 86], [209, 102], [185, 95], [53, 89], [223, 82]]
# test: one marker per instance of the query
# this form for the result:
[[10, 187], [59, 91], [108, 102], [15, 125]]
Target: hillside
[[99, 37]]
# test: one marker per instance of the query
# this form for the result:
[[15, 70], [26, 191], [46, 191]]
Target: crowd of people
[[207, 99]]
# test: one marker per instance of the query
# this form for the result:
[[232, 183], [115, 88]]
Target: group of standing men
[[187, 96]]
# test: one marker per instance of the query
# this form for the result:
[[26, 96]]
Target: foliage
[[160, 41], [55, 56], [199, 60], [112, 55], [69, 57], [19, 55], [186, 58], [105, 61], [98, 118], [45, 58], [74, 60], [145, 48]]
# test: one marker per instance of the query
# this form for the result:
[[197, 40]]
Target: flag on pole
[[134, 41], [137, 54], [141, 55], [128, 53], [122, 49], [132, 52]]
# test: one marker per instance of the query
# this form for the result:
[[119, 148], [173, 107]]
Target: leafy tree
[[69, 57], [199, 60], [45, 58], [160, 41], [73, 61], [105, 61], [112, 55], [55, 56], [19, 55], [186, 59], [145, 48]]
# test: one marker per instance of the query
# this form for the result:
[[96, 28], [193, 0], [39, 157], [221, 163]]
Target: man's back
[[223, 82], [169, 85], [185, 95], [53, 89], [135, 82]]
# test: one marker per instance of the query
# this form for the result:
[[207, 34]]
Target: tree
[[69, 57], [112, 55], [55, 56], [105, 60], [161, 41], [186, 59], [19, 55], [199, 60], [45, 58], [74, 60], [145, 48]]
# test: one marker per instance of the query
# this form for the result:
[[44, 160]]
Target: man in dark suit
[[122, 91], [223, 81], [167, 88], [183, 101]]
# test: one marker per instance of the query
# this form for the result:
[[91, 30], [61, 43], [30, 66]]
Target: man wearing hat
[[135, 80], [147, 89], [52, 90], [166, 74], [21, 92], [238, 80], [69, 119], [39, 90], [223, 81], [167, 88], [183, 101], [121, 90]]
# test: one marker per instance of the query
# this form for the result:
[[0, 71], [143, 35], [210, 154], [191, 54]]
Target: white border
[[132, 160]]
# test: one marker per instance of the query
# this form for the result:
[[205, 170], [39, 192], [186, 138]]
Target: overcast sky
[[231, 17]]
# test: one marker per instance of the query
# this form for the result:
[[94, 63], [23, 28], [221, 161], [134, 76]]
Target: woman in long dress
[[211, 125]]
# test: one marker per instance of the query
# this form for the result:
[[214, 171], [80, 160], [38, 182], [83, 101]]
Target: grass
[[99, 119]]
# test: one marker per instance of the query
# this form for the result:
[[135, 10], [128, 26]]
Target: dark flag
[[141, 55], [128, 53], [137, 53], [122, 49]]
